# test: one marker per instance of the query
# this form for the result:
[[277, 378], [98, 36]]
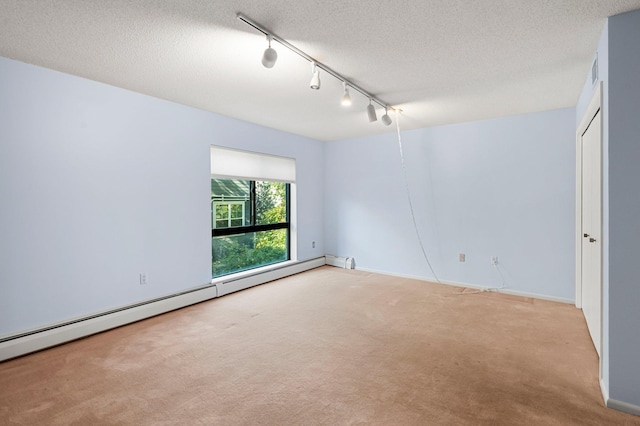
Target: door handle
[[586, 235], [592, 240]]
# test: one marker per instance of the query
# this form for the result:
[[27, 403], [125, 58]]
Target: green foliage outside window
[[249, 250]]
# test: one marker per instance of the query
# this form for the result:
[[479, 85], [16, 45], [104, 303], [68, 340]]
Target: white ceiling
[[440, 61]]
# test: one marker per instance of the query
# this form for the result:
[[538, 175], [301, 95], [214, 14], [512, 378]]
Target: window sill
[[252, 272]]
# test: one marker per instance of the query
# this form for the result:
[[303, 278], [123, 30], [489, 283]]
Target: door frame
[[595, 106]]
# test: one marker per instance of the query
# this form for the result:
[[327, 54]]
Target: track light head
[[270, 56], [371, 112], [346, 98], [386, 120], [315, 80]]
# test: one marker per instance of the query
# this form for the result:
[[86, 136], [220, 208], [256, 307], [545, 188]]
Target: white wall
[[502, 187], [99, 184]]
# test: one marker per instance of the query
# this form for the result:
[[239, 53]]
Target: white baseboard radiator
[[341, 262], [25, 342]]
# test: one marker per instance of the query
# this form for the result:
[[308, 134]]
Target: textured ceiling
[[441, 61]]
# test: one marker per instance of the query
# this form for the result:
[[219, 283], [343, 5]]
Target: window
[[250, 212], [247, 236]]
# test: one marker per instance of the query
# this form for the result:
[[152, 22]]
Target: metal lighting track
[[320, 65]]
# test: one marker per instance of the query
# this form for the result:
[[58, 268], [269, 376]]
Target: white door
[[592, 229]]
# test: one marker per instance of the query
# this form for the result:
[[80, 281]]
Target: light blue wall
[[99, 184], [503, 187], [365, 207], [624, 207]]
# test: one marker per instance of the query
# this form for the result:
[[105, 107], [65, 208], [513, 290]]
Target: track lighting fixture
[[315, 80], [270, 56], [371, 112], [346, 98], [386, 120]]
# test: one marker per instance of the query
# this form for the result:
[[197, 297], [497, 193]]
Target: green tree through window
[[262, 239]]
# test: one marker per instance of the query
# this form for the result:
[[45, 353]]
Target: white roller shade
[[233, 163]]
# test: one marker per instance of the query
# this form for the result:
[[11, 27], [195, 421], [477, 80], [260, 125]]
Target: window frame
[[253, 227]]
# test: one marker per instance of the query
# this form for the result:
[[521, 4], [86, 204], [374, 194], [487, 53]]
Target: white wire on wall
[[406, 184], [415, 224]]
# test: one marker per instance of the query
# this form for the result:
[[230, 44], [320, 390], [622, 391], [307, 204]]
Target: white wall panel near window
[[234, 163]]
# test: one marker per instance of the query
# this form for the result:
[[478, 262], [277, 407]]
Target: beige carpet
[[327, 347]]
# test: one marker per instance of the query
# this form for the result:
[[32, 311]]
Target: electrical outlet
[[313, 244], [462, 257], [144, 279], [494, 260]]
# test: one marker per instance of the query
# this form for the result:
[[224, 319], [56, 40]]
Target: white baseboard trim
[[623, 406], [242, 281], [23, 343], [476, 286], [603, 390], [340, 262], [57, 334], [614, 404]]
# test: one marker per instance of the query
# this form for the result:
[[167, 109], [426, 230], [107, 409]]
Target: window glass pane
[[236, 211], [229, 190], [228, 196], [222, 211], [271, 202], [241, 252]]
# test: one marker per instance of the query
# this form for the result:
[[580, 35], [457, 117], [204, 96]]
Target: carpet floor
[[326, 347]]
